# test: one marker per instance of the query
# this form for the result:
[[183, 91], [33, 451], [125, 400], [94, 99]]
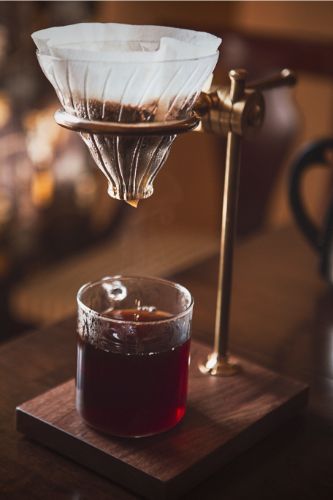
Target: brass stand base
[[217, 366]]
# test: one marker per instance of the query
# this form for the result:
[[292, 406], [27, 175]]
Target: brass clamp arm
[[239, 108]]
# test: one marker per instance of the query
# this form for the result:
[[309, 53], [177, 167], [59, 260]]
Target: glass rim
[[105, 61], [162, 281]]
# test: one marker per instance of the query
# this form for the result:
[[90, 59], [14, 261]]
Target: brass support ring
[[171, 127]]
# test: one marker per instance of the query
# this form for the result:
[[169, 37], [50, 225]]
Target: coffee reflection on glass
[[133, 354]]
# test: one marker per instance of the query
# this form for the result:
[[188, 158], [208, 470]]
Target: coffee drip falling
[[123, 73]]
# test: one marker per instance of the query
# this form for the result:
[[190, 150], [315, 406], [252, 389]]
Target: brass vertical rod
[[218, 362], [229, 217]]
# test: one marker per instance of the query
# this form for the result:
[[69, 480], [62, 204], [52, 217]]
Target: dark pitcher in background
[[319, 153]]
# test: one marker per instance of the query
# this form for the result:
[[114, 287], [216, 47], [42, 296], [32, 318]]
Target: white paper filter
[[125, 73]]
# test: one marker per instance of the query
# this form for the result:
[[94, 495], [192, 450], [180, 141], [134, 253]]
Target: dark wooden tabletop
[[282, 317]]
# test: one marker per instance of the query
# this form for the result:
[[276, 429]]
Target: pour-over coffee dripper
[[125, 81]]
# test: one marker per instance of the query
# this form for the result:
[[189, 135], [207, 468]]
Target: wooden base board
[[224, 417]]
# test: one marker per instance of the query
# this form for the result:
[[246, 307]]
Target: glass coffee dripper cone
[[145, 92]]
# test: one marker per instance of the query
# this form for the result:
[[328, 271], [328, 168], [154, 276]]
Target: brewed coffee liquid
[[133, 394]]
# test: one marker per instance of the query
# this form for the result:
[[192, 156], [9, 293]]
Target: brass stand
[[218, 362], [233, 112], [241, 112]]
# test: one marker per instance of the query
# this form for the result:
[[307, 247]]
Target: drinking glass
[[133, 354]]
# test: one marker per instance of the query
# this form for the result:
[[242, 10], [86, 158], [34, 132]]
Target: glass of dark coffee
[[133, 354]]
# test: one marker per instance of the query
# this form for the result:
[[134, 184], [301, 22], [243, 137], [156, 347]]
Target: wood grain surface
[[224, 417], [282, 318]]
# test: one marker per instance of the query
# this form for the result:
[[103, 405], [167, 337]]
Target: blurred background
[[59, 228]]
